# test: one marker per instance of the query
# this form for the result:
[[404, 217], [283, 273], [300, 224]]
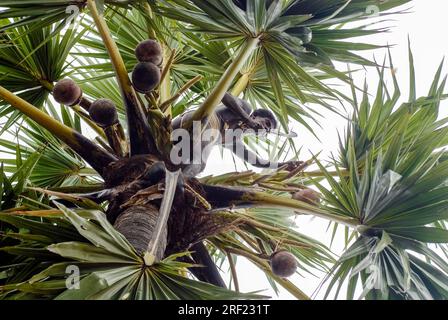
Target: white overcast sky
[[426, 25]]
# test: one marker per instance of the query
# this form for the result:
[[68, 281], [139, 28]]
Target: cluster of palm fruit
[[102, 111], [145, 78], [147, 73]]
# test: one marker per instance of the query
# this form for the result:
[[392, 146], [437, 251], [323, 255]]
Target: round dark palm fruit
[[283, 264], [104, 112], [67, 92], [307, 195], [149, 51], [145, 77]]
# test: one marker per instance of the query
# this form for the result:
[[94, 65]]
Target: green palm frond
[[375, 125], [392, 180], [12, 186], [108, 265], [286, 33], [30, 62], [57, 165], [41, 14]]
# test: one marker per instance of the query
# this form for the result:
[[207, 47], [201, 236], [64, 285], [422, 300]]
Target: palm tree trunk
[[137, 225]]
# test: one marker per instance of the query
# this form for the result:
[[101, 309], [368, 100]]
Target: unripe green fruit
[[67, 92], [149, 51], [104, 112], [145, 77], [283, 264]]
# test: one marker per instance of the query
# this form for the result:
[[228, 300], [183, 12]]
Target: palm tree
[[162, 235]]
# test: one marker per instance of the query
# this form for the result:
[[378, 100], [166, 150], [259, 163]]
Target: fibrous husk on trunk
[[127, 170], [137, 224]]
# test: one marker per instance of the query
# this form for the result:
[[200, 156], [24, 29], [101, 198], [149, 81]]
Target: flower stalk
[[241, 85], [264, 199], [262, 264]]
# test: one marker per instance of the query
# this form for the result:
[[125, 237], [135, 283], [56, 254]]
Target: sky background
[[426, 25]]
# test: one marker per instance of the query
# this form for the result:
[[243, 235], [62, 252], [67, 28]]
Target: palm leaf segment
[[392, 179], [30, 61], [108, 265]]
